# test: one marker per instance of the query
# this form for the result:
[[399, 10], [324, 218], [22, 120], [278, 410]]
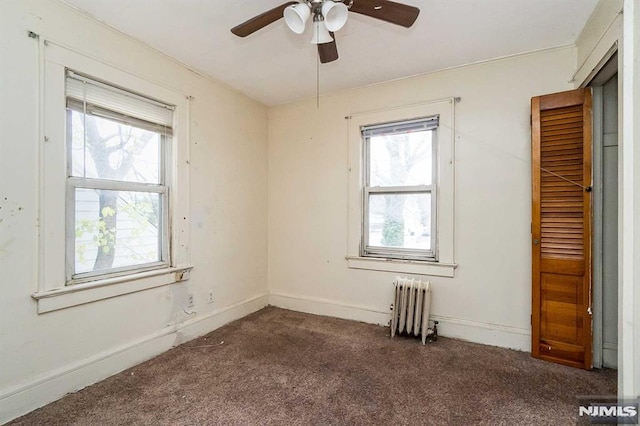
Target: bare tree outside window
[[114, 228], [105, 149]]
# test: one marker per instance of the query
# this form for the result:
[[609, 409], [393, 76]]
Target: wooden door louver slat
[[574, 126], [562, 147], [561, 142], [561, 233], [561, 153]]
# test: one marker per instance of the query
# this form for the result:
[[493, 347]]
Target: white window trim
[[52, 292], [445, 189], [80, 294]]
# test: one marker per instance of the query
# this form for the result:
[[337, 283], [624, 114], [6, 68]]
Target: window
[[402, 189], [114, 214], [399, 213], [116, 185]]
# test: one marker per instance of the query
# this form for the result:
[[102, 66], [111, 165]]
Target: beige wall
[[489, 300], [44, 356]]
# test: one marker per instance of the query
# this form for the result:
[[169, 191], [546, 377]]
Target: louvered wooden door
[[561, 228]]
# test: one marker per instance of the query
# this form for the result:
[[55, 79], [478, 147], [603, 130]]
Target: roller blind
[[97, 98], [418, 125]]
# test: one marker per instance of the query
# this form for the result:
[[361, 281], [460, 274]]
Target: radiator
[[410, 309]]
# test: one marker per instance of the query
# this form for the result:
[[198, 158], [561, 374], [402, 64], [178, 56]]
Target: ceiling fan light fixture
[[296, 17], [329, 16], [320, 33], [335, 14]]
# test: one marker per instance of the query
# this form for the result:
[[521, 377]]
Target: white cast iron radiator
[[410, 309]]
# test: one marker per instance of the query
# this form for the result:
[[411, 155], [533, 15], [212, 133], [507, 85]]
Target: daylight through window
[[117, 148], [400, 190]]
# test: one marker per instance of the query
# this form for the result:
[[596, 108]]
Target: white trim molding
[[484, 333], [445, 187], [599, 39], [438, 269], [53, 385], [473, 331], [54, 229], [629, 208], [330, 308], [79, 294]]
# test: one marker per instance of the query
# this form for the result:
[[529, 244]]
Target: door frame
[[596, 235], [607, 69]]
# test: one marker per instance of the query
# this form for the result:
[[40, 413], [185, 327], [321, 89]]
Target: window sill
[[438, 269], [80, 294]]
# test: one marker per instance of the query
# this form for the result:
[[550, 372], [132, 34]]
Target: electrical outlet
[[210, 299], [190, 301]]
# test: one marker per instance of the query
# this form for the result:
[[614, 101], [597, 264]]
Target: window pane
[[401, 159], [116, 229], [106, 149], [400, 220]]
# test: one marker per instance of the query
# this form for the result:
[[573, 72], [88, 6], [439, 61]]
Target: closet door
[[561, 228]]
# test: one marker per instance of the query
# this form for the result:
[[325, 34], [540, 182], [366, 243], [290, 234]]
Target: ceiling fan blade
[[328, 52], [385, 10], [260, 21]]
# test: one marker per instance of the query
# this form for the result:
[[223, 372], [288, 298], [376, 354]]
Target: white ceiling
[[276, 66]]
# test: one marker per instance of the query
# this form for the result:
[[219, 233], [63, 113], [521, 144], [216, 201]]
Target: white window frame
[[391, 252], [162, 188], [442, 262], [53, 293]]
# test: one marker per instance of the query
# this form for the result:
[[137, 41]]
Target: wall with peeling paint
[[44, 356]]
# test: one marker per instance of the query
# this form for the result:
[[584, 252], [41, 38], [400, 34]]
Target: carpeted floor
[[287, 368]]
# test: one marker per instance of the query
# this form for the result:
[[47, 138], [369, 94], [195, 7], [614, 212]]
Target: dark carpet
[[286, 368]]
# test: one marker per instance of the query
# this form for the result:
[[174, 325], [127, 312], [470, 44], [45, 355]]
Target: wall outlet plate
[[210, 298], [190, 301]]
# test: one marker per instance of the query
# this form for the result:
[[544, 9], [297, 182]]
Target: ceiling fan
[[328, 16]]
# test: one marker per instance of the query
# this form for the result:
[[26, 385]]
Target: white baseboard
[[472, 331], [330, 308], [17, 401], [200, 326], [487, 334]]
